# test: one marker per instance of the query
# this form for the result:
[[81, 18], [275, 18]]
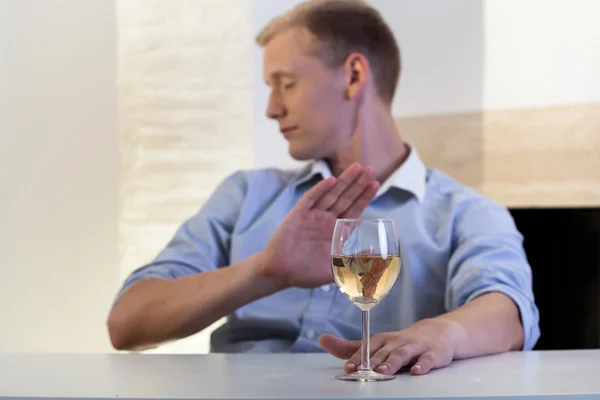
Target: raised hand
[[299, 252]]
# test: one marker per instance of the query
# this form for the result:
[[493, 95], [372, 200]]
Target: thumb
[[338, 347]]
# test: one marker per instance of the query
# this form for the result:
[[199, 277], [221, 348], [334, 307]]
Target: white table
[[539, 375]]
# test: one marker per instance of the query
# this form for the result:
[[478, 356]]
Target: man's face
[[307, 98]]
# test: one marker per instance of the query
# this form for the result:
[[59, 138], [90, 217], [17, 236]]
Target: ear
[[357, 71]]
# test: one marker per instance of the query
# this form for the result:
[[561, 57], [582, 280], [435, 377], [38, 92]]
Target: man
[[258, 250]]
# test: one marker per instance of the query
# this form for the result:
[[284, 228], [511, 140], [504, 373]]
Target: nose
[[275, 108]]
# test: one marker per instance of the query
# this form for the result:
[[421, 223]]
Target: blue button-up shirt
[[456, 245]]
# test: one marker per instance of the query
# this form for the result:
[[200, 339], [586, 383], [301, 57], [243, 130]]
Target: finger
[[398, 358], [425, 363], [359, 205], [391, 344], [308, 200], [381, 355], [338, 347], [377, 342], [345, 200], [346, 180]]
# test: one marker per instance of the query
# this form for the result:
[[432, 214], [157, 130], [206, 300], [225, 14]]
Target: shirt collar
[[410, 176]]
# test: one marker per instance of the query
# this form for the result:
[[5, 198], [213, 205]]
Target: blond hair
[[340, 28]]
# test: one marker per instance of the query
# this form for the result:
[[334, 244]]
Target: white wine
[[366, 280]]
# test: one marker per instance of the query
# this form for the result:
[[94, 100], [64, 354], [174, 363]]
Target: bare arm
[[154, 311], [490, 323]]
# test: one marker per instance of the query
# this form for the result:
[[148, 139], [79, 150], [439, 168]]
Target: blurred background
[[119, 118]]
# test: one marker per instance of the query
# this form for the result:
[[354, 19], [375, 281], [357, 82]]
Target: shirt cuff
[[150, 271]]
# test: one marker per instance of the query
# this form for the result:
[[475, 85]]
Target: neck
[[375, 142]]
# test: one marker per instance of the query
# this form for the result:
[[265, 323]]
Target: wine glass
[[365, 260]]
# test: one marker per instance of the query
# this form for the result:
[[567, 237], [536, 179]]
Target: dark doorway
[[563, 248]]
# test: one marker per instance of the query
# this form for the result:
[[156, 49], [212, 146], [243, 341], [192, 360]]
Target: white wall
[[58, 174], [541, 53]]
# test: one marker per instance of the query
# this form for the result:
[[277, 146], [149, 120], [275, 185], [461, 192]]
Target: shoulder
[[443, 189], [265, 178], [465, 207], [246, 193], [258, 183]]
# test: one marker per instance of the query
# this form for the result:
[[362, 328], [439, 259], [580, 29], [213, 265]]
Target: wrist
[[262, 273], [457, 334]]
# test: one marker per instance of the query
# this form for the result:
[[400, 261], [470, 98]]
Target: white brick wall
[[185, 103]]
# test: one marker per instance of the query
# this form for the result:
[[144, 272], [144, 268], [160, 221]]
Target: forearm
[[491, 325], [154, 311]]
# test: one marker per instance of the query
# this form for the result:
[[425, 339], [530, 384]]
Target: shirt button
[[310, 334], [326, 288]]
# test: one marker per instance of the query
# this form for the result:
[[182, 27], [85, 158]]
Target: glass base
[[365, 376]]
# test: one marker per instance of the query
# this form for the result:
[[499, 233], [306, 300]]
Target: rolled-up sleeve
[[489, 257], [202, 242]]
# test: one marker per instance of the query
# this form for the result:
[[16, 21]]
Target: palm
[[299, 252], [303, 243]]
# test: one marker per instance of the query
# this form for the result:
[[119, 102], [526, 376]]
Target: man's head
[[322, 59]]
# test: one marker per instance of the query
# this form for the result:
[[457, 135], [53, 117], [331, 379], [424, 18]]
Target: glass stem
[[365, 353]]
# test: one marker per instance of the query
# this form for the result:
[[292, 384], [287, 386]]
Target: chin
[[302, 154]]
